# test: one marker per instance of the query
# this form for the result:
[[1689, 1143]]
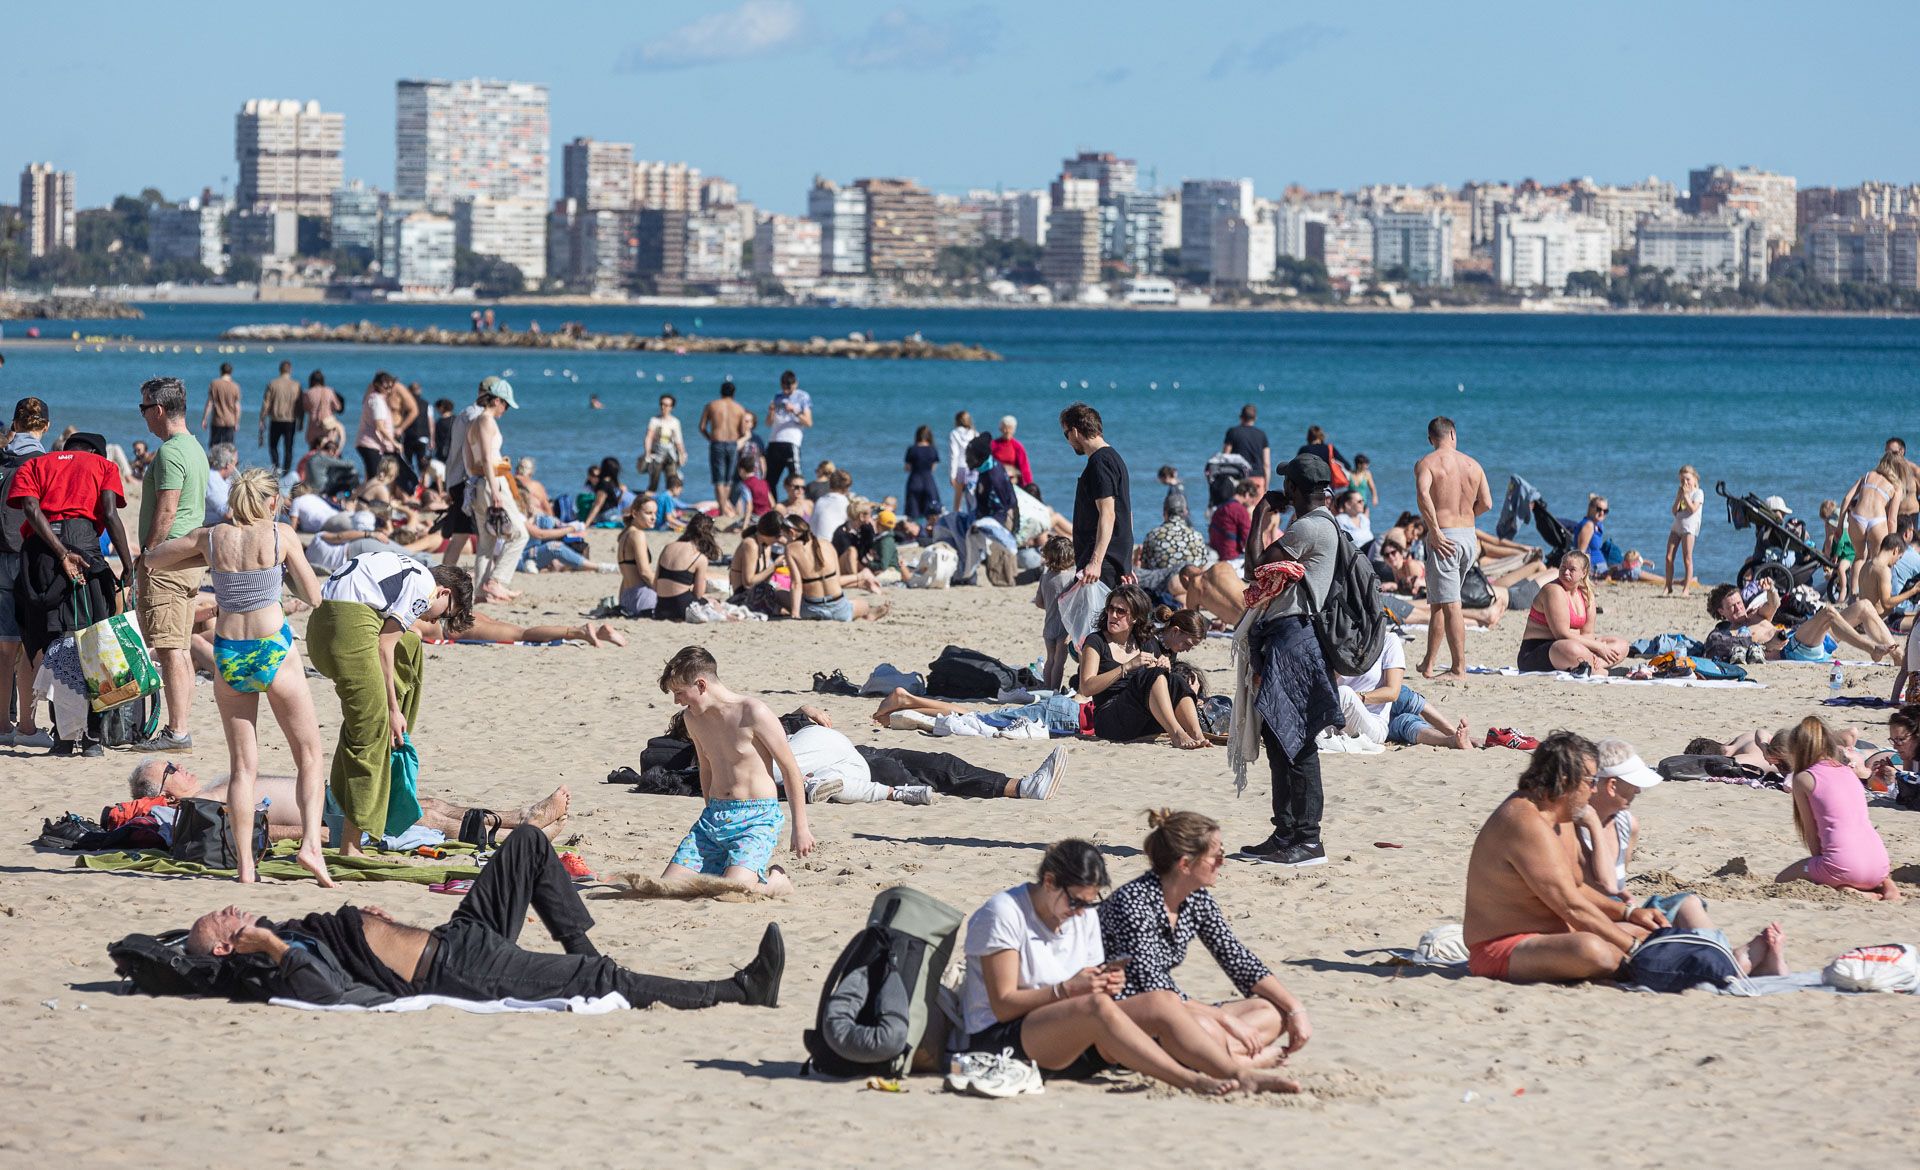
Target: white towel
[[1243, 728], [613, 1001], [1607, 679]]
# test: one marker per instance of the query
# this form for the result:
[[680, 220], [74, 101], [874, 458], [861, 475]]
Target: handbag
[[113, 657], [202, 833]]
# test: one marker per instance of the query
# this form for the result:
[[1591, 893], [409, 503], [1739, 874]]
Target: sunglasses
[[146, 406], [1082, 903]]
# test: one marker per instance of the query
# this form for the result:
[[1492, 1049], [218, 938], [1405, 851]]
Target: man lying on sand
[[360, 955], [1814, 639], [859, 774], [1530, 918], [736, 737], [489, 629], [153, 776]]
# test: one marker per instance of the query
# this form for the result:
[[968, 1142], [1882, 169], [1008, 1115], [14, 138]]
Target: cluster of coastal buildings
[[473, 175]]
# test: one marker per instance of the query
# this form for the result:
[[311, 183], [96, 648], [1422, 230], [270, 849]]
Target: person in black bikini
[[1135, 691], [815, 571], [754, 561], [681, 578]]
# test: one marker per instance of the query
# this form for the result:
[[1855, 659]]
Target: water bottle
[[1835, 680]]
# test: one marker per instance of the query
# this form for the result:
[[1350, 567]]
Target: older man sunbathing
[[361, 956]]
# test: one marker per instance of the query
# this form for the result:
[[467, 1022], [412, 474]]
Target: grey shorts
[[1445, 575]]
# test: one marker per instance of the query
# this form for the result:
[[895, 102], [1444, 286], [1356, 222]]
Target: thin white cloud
[[754, 29], [1274, 50], [904, 39]]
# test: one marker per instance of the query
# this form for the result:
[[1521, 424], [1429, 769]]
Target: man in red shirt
[[1232, 522]]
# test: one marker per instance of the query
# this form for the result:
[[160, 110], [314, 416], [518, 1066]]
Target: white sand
[[1582, 1076]]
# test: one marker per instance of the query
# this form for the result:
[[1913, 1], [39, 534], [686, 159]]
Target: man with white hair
[[223, 459]]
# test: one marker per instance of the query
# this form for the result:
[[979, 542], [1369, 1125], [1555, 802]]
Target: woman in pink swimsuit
[[1830, 811]]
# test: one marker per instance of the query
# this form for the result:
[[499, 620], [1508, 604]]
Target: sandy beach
[[1403, 1065]]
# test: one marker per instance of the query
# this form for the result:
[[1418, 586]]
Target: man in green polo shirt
[[173, 502]]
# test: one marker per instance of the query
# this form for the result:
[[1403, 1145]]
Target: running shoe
[[41, 738], [915, 794], [165, 740], [576, 867], [824, 789], [1507, 737], [964, 1066], [1009, 1077], [1047, 778]]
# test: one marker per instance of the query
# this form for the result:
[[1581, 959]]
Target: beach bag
[[1350, 621], [202, 834], [1890, 967], [960, 673], [1080, 606], [129, 723], [881, 992], [160, 965], [1708, 668], [113, 657], [1216, 714], [1674, 960], [1706, 768], [1476, 592], [886, 677], [935, 568]]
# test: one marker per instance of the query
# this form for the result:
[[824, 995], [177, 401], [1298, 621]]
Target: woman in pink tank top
[[1830, 811]]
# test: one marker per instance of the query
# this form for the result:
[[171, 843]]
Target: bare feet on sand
[[547, 811], [1267, 1082], [495, 593], [1888, 891], [893, 702], [1462, 738], [315, 863], [594, 633], [778, 882], [1767, 953]]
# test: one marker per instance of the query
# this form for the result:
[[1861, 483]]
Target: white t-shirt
[[395, 585], [1007, 922], [957, 440], [1393, 656], [829, 513], [787, 409], [824, 753], [1688, 523], [664, 433], [309, 512], [1359, 528], [457, 443]]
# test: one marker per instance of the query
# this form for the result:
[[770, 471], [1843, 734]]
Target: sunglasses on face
[[1082, 903], [1599, 511]]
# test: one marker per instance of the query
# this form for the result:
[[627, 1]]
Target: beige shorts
[[165, 607]]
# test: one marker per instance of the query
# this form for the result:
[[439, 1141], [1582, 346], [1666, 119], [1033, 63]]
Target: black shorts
[[457, 521], [1534, 657], [1007, 1035]]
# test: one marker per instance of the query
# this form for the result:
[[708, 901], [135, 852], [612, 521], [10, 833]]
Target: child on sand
[[1056, 560], [734, 736], [1830, 812]]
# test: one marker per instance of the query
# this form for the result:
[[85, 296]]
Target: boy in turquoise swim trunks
[[736, 738]]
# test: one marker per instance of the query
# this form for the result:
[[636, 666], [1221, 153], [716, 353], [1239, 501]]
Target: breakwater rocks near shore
[[367, 333], [65, 309]]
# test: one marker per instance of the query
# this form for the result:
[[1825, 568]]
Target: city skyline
[[761, 92]]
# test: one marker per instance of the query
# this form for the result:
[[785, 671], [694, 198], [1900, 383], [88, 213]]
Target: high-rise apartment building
[[46, 208], [665, 186], [289, 156], [191, 231], [718, 192], [1484, 202], [716, 246], [1243, 250], [514, 230], [597, 176], [787, 249], [1706, 251], [901, 238], [1201, 202], [473, 139], [1418, 242], [1114, 176], [660, 250], [590, 251], [958, 222], [1031, 211], [357, 215], [1130, 232], [1343, 244], [1870, 200], [1072, 258], [1072, 194], [419, 252], [1762, 195], [266, 232], [841, 213], [1624, 209], [1541, 253]]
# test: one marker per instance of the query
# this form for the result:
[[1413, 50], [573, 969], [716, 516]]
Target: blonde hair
[[250, 496], [1177, 836], [1586, 582], [1680, 492], [1803, 745]]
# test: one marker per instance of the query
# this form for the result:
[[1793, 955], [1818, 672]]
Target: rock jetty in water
[[367, 333], [66, 309]]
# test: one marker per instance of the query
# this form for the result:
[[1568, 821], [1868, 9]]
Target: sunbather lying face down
[[360, 955]]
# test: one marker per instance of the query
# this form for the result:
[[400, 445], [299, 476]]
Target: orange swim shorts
[[1490, 959]]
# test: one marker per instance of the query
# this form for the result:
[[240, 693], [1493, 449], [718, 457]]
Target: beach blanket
[[1872, 701], [579, 1005], [480, 642], [278, 863], [1755, 984], [1607, 679]]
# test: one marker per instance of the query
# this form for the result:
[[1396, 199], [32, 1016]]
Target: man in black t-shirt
[[1250, 443], [1102, 503]]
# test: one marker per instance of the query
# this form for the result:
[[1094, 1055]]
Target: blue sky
[[985, 93]]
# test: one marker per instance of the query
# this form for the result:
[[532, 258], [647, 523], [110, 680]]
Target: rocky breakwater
[[367, 333], [66, 309]]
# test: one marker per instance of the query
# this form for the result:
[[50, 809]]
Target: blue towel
[[1517, 509], [1660, 644], [403, 805]]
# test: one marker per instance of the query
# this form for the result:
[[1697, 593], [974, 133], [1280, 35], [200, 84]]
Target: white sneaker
[[1008, 1077], [910, 721], [964, 1066], [1047, 778], [824, 789], [32, 739], [915, 794]]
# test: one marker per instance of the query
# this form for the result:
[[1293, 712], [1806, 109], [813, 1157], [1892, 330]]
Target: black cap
[[86, 441], [1307, 470]]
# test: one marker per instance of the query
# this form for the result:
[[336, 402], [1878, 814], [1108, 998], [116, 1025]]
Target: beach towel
[[278, 863], [1517, 508], [579, 1005], [1607, 679]]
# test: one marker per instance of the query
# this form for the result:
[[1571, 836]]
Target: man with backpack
[[16, 666]]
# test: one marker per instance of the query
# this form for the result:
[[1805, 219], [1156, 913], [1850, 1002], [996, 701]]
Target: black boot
[[760, 979]]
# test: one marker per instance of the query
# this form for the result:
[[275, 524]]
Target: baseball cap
[[1778, 504], [887, 518], [1307, 470], [1618, 761], [500, 388]]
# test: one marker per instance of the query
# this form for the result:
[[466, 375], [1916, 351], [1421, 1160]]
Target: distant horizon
[[965, 96]]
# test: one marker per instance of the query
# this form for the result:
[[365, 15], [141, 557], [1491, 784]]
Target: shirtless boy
[[738, 740], [1452, 490], [724, 422]]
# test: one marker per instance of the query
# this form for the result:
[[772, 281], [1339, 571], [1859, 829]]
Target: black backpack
[[11, 518], [202, 833], [960, 673], [1675, 960], [1351, 620], [160, 965], [1704, 767], [882, 990]]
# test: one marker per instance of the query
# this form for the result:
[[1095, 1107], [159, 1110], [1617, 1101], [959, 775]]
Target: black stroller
[[1781, 552], [1224, 472]]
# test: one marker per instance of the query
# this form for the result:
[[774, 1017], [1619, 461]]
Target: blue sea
[[1612, 404]]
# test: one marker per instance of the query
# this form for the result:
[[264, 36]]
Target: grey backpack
[[882, 989]]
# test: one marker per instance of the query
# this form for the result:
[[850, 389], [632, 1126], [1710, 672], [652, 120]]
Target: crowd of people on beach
[[1288, 562]]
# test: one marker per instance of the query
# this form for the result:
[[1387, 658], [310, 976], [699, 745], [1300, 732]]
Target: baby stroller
[[1224, 473], [1781, 551]]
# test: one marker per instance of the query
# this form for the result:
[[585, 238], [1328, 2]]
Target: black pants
[[781, 459], [478, 958], [1297, 798], [280, 444], [1125, 710], [219, 434], [946, 774]]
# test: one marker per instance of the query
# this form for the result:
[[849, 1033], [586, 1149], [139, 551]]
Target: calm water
[[1798, 406]]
